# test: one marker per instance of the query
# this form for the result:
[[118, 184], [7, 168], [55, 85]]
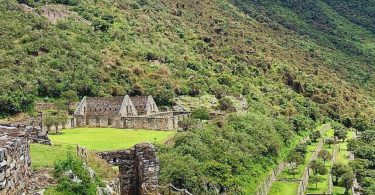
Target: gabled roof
[[139, 100], [103, 105]]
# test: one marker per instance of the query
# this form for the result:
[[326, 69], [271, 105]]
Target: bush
[[72, 164], [200, 113], [226, 104]]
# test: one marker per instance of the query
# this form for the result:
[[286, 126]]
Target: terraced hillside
[[298, 64]]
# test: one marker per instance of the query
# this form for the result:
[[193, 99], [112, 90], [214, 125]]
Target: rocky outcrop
[[55, 12]]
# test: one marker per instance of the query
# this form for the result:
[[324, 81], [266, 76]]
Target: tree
[[188, 123], [352, 144], [339, 169], [324, 155], [54, 118], [219, 173], [315, 180], [62, 119], [317, 167], [365, 152], [330, 141], [368, 136], [48, 121], [347, 181], [70, 96], [315, 135], [62, 104], [200, 113], [369, 190], [295, 159], [301, 148], [293, 170], [359, 166], [226, 104], [341, 134], [301, 122]]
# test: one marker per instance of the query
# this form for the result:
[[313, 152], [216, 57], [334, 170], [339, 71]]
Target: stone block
[[3, 163]]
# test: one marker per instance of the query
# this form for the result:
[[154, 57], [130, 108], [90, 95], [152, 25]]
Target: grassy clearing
[[282, 188], [98, 139], [103, 139], [44, 156]]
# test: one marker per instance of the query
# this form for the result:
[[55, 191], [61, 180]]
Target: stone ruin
[[35, 134], [14, 161], [138, 169], [136, 112]]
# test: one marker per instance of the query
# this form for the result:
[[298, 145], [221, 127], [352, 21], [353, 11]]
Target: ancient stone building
[[138, 169], [14, 161], [138, 112]]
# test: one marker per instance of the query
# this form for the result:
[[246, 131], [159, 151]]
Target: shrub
[[74, 165], [200, 113], [226, 104]]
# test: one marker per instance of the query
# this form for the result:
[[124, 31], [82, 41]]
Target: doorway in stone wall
[[110, 121], [97, 122], [72, 122]]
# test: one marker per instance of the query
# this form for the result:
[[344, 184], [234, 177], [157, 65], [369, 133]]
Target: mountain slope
[[298, 63]]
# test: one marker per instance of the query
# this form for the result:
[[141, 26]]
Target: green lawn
[[97, 139], [338, 190], [44, 156], [284, 188], [104, 139]]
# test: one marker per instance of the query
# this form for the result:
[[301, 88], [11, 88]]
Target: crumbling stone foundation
[[138, 169], [14, 161]]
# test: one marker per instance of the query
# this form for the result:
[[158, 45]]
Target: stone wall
[[138, 169], [158, 121], [14, 161], [166, 123], [302, 188], [100, 121], [265, 186]]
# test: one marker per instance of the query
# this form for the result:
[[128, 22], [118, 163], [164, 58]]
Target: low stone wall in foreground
[[14, 161]]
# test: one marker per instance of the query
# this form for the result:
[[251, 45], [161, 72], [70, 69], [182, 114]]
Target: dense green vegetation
[[364, 164], [298, 63], [72, 166], [234, 157]]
